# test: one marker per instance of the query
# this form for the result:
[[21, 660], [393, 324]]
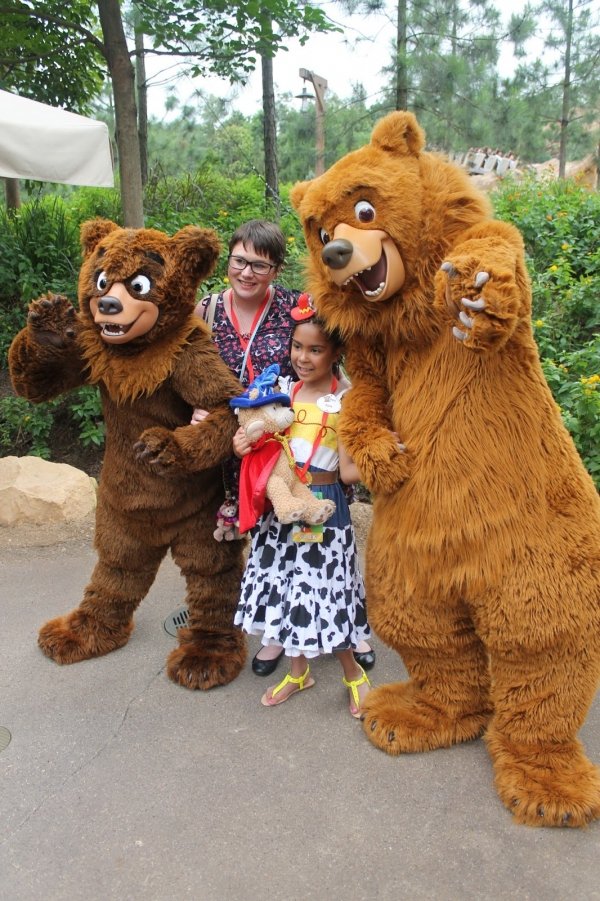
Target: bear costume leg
[[126, 568], [211, 650], [542, 773], [447, 699]]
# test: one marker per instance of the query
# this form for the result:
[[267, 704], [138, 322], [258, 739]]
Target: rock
[[37, 492]]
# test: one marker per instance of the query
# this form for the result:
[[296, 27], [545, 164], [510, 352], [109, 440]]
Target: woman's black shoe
[[366, 659], [265, 667]]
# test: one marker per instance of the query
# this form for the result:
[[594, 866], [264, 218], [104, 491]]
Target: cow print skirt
[[308, 597]]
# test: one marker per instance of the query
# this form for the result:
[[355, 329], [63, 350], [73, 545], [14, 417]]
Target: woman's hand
[[198, 416]]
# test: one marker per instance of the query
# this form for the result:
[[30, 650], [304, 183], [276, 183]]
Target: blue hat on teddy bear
[[263, 390]]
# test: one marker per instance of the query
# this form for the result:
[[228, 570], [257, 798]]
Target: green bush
[[560, 224]]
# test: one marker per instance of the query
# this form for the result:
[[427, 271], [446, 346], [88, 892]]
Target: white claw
[[481, 278], [460, 336], [401, 448], [448, 267], [466, 320], [473, 304]]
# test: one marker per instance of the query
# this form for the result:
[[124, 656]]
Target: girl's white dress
[[308, 597]]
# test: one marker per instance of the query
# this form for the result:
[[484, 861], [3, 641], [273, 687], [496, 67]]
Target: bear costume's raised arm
[[485, 286], [45, 359]]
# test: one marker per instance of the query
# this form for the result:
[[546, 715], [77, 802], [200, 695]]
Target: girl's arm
[[349, 473]]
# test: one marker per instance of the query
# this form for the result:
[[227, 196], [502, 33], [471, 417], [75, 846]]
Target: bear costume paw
[[398, 719], [79, 636], [546, 784], [206, 659]]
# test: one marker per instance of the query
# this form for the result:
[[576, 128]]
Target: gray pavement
[[118, 784]]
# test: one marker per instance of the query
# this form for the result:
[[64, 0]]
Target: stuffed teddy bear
[[136, 337], [483, 561], [227, 521], [268, 472]]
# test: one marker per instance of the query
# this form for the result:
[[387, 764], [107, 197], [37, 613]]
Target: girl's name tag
[[329, 403]]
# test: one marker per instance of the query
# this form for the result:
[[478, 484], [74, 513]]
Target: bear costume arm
[[366, 428], [203, 380], [484, 284], [44, 358]]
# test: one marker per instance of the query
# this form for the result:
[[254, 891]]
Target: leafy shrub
[[24, 427], [560, 224]]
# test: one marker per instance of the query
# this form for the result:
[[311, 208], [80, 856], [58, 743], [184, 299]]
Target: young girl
[[302, 588]]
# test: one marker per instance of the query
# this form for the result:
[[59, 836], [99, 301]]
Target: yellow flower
[[564, 246], [226, 280], [549, 217], [539, 323], [553, 268], [291, 239]]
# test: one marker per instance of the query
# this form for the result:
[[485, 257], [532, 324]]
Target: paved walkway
[[117, 784]]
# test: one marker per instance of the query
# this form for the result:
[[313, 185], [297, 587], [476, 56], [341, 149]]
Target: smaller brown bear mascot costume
[[136, 337], [483, 563]]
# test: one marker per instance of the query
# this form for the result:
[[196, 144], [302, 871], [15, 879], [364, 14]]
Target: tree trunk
[[12, 193], [566, 94], [142, 98], [270, 139], [123, 82], [401, 67]]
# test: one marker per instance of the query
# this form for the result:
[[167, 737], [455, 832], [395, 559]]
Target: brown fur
[[161, 483], [483, 563]]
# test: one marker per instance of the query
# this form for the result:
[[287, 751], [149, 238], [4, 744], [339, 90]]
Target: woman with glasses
[[250, 320], [251, 326]]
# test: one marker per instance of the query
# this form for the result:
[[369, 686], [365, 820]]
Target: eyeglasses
[[259, 267]]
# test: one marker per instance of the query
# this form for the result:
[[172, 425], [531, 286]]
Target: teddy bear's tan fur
[[292, 500], [161, 485], [483, 563]]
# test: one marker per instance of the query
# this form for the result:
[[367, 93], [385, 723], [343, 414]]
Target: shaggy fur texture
[[483, 563], [161, 483]]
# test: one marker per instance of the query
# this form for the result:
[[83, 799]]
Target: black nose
[[109, 306], [337, 254]]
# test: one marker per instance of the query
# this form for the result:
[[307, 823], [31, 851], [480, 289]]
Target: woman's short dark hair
[[265, 237]]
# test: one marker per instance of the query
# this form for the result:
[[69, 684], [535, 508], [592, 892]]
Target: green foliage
[[48, 52], [25, 428], [85, 408], [560, 224]]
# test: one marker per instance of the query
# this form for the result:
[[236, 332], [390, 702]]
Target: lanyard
[[245, 342], [303, 474]]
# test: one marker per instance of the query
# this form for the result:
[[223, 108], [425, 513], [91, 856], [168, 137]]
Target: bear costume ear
[[297, 193], [92, 231], [399, 133], [197, 250]]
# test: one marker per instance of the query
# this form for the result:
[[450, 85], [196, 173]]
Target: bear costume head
[[379, 223]]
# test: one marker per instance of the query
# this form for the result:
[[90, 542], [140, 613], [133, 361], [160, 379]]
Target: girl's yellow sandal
[[353, 684], [301, 682]]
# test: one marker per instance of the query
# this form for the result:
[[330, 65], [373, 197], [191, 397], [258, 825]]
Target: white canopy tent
[[44, 143]]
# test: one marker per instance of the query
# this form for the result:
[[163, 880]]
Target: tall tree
[[207, 35]]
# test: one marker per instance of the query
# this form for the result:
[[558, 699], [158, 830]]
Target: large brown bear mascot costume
[[136, 337], [483, 562]]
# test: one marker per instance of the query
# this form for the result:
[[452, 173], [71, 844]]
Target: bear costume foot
[[79, 636], [546, 784], [398, 719], [206, 659]]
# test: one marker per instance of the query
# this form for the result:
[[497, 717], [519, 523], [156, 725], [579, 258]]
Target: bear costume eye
[[102, 282], [364, 211], [141, 284], [325, 239]]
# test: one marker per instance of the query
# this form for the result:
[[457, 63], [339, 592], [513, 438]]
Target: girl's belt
[[325, 478]]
